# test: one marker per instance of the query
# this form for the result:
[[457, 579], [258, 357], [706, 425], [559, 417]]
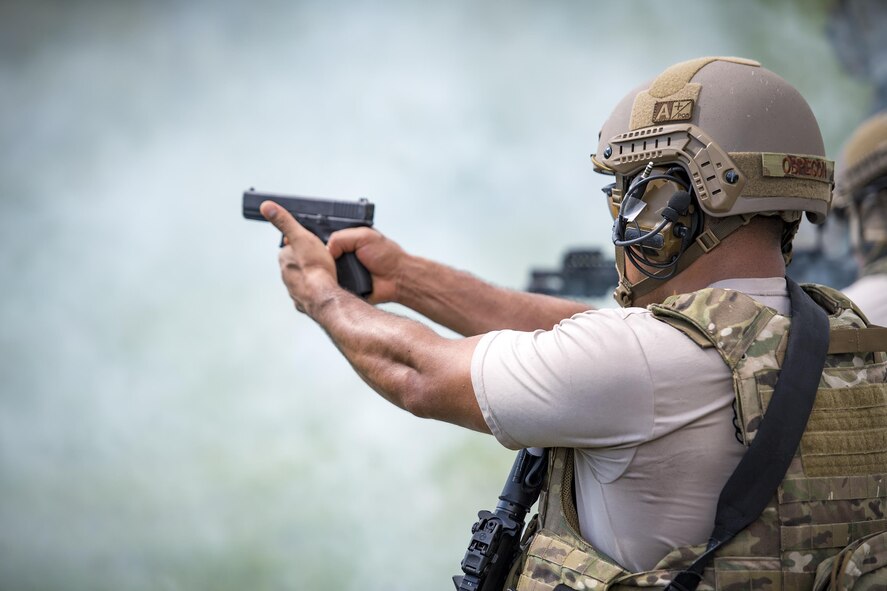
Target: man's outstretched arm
[[452, 298], [406, 362]]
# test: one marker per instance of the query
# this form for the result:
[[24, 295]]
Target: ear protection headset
[[655, 218]]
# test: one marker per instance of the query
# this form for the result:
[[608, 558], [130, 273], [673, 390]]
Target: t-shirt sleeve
[[586, 383]]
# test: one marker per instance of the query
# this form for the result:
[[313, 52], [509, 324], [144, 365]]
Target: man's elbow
[[427, 400], [418, 397]]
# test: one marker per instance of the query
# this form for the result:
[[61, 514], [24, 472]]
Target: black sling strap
[[754, 481]]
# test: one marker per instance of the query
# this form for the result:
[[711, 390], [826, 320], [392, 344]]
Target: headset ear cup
[[657, 217], [679, 205]]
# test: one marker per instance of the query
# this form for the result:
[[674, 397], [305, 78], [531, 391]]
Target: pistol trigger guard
[[282, 239], [324, 234]]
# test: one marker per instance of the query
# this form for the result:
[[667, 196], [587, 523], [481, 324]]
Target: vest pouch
[[860, 566], [514, 573], [553, 562]]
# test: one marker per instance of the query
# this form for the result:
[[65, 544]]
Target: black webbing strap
[[754, 481]]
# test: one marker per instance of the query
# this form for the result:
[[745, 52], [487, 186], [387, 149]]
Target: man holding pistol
[[646, 409]]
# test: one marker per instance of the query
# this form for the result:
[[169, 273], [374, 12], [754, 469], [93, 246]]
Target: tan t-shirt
[[870, 294], [648, 411]]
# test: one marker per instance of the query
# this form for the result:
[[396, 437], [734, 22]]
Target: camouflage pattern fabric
[[858, 567], [825, 529]]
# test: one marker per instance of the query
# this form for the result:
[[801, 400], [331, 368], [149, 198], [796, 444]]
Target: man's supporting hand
[[382, 257], [451, 298]]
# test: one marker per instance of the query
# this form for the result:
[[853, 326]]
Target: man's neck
[[743, 254]]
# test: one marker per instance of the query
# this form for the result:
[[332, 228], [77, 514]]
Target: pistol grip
[[353, 276]]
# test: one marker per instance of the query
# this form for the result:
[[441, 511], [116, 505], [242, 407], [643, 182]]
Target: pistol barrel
[[360, 211]]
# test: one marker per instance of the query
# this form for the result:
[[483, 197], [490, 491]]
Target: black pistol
[[322, 217]]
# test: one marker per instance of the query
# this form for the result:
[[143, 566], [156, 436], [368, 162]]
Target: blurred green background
[[167, 420]]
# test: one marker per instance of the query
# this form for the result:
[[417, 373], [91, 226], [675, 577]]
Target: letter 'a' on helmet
[[739, 138]]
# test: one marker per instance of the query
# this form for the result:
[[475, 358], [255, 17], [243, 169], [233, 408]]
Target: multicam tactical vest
[[824, 529]]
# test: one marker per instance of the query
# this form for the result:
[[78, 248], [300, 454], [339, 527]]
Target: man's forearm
[[406, 362], [469, 306]]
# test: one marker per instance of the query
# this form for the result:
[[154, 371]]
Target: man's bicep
[[444, 390]]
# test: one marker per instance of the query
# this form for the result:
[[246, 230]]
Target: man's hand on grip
[[382, 258]]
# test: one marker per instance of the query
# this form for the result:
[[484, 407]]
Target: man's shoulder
[[710, 307], [618, 317], [720, 317], [615, 328], [724, 315], [704, 310]]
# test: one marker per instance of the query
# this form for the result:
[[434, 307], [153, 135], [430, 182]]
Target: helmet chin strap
[[716, 230]]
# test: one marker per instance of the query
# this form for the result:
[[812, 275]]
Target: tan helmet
[[738, 138], [861, 188], [863, 159]]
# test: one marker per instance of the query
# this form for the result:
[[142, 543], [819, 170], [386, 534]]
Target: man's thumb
[[276, 215]]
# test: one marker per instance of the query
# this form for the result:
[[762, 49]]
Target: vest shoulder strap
[[830, 299], [730, 321], [726, 319], [850, 333]]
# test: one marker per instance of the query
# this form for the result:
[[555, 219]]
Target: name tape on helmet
[[797, 166]]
